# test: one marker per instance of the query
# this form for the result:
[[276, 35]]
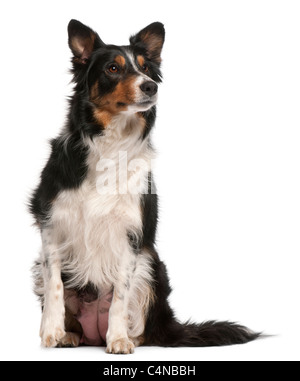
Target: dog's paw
[[120, 346], [70, 340], [52, 327], [51, 336], [52, 330]]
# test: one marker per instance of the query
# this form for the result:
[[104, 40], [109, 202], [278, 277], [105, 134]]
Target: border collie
[[99, 277]]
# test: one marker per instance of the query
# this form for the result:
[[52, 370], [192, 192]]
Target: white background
[[228, 142]]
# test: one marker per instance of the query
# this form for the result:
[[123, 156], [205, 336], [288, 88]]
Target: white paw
[[51, 332], [120, 346]]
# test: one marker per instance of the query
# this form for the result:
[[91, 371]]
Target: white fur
[[52, 324], [141, 295], [93, 227], [139, 95]]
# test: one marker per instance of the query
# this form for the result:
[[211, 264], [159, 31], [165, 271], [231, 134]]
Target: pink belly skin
[[93, 317]]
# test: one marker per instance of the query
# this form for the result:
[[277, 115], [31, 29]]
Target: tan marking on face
[[120, 60], [123, 93], [94, 94], [141, 60], [103, 117], [113, 103], [58, 287]]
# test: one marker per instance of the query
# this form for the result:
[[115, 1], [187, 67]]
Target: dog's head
[[117, 79]]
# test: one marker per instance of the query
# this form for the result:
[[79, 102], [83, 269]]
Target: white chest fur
[[92, 225]]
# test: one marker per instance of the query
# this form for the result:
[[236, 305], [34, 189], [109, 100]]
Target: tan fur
[[120, 60], [141, 60], [112, 104]]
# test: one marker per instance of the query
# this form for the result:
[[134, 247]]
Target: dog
[[99, 277]]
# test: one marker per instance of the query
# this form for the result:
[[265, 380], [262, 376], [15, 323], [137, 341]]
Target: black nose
[[149, 88]]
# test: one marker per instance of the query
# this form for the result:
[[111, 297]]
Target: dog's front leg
[[117, 335], [52, 325]]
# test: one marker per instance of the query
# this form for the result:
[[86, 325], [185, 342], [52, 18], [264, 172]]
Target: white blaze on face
[[142, 101]]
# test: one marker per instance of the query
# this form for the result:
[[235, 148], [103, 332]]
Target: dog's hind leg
[[73, 331]]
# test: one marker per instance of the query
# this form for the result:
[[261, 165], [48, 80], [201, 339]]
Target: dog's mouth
[[143, 103], [140, 104], [147, 103]]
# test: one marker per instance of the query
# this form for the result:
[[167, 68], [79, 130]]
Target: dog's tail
[[207, 334], [163, 329]]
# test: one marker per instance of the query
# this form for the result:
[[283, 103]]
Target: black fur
[[67, 168]]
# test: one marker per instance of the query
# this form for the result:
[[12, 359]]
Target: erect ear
[[82, 41], [151, 39]]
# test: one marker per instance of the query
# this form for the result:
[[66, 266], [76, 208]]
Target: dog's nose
[[149, 88]]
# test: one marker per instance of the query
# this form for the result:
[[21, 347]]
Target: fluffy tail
[[214, 333], [207, 334], [163, 329]]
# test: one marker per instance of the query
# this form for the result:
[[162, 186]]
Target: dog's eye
[[113, 68], [145, 67]]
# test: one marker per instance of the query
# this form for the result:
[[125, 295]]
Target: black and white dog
[[99, 276]]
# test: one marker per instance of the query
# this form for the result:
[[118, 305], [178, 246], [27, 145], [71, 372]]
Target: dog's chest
[[93, 222]]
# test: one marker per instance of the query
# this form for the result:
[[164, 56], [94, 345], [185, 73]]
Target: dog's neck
[[121, 140]]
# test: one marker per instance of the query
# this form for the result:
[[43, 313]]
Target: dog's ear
[[150, 39], [82, 41]]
